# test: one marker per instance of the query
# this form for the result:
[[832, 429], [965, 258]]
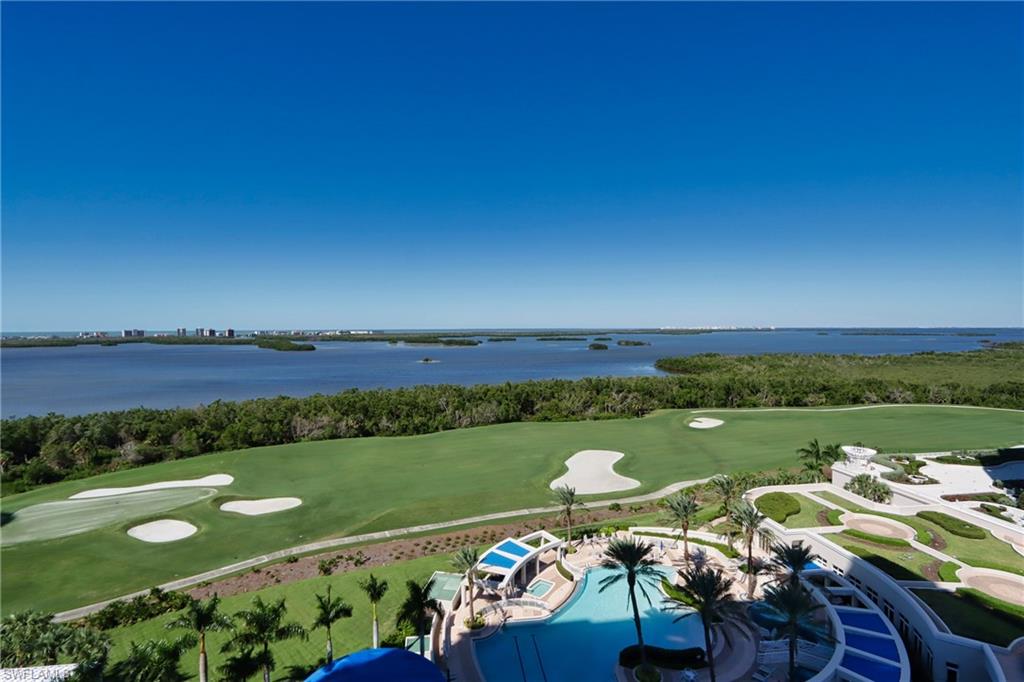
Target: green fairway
[[350, 634], [366, 484]]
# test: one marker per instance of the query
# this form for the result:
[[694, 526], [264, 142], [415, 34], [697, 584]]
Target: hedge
[[947, 572], [834, 517], [728, 551], [953, 525], [778, 506], [564, 572], [673, 659]]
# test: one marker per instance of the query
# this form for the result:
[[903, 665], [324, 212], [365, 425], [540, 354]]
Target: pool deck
[[735, 654]]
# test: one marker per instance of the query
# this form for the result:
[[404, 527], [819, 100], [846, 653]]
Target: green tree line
[[43, 449]]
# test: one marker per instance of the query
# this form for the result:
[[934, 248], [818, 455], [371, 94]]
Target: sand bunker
[[50, 520], [591, 472], [164, 530], [1001, 585], [705, 423], [877, 525], [258, 507], [205, 481]]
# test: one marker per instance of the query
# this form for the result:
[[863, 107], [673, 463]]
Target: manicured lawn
[[980, 617], [350, 634], [808, 515], [989, 552], [901, 563], [368, 484]]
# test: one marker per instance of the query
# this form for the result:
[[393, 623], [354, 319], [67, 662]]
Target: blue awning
[[374, 665]]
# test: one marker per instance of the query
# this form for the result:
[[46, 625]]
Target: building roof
[[509, 555]]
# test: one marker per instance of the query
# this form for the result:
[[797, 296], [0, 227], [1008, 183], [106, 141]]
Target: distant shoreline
[[455, 337]]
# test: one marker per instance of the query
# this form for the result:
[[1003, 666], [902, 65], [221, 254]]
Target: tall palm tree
[[329, 610], [259, 627], [794, 606], [465, 560], [709, 595], [567, 500], [418, 608], [748, 520], [813, 456], [153, 661], [632, 560], [201, 617], [375, 590], [682, 510], [789, 560]]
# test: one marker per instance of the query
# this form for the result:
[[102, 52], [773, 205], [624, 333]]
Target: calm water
[[84, 379]]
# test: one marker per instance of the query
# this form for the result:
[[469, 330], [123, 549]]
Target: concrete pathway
[[332, 543]]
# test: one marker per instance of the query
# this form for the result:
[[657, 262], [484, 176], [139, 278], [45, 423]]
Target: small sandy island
[[591, 472], [204, 482], [705, 423], [164, 530], [258, 507]]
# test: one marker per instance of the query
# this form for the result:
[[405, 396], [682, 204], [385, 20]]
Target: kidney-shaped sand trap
[[204, 482], [591, 472], [164, 530], [705, 423], [257, 507]]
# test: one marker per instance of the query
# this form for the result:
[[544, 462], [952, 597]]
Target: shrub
[[994, 510], [867, 487], [777, 506], [598, 346], [474, 623], [564, 572], [615, 507], [673, 659], [953, 525], [327, 566]]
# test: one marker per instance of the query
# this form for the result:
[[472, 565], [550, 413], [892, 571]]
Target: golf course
[[55, 560]]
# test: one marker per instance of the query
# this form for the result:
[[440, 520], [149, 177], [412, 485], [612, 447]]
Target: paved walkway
[[332, 543]]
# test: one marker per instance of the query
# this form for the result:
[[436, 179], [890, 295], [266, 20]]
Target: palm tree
[[375, 591], [567, 500], [683, 509], [465, 560], [154, 661], [748, 520], [632, 560], [789, 560], [813, 456], [418, 608], [259, 627], [728, 489], [709, 595], [796, 608], [328, 611], [201, 617]]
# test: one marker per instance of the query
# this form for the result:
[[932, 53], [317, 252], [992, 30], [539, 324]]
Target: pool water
[[539, 588], [583, 639]]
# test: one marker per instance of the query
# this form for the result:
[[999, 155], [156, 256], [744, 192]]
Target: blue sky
[[467, 165]]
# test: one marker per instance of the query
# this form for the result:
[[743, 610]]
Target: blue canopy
[[374, 665]]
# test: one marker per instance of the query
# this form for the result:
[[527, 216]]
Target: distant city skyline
[[444, 166]]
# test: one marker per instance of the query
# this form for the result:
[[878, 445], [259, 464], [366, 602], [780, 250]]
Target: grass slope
[[359, 485], [808, 515]]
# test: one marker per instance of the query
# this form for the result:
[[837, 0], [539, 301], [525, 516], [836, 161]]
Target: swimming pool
[[583, 639], [538, 588]]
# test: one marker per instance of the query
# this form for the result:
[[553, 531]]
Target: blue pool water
[[582, 641], [879, 646], [539, 588]]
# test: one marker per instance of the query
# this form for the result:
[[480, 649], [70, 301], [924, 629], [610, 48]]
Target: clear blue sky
[[397, 165]]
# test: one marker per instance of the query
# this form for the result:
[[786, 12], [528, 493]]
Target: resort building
[[550, 612]]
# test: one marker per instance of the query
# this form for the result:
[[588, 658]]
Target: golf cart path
[[331, 543]]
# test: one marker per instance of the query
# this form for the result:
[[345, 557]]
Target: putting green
[[370, 484], [51, 520]]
